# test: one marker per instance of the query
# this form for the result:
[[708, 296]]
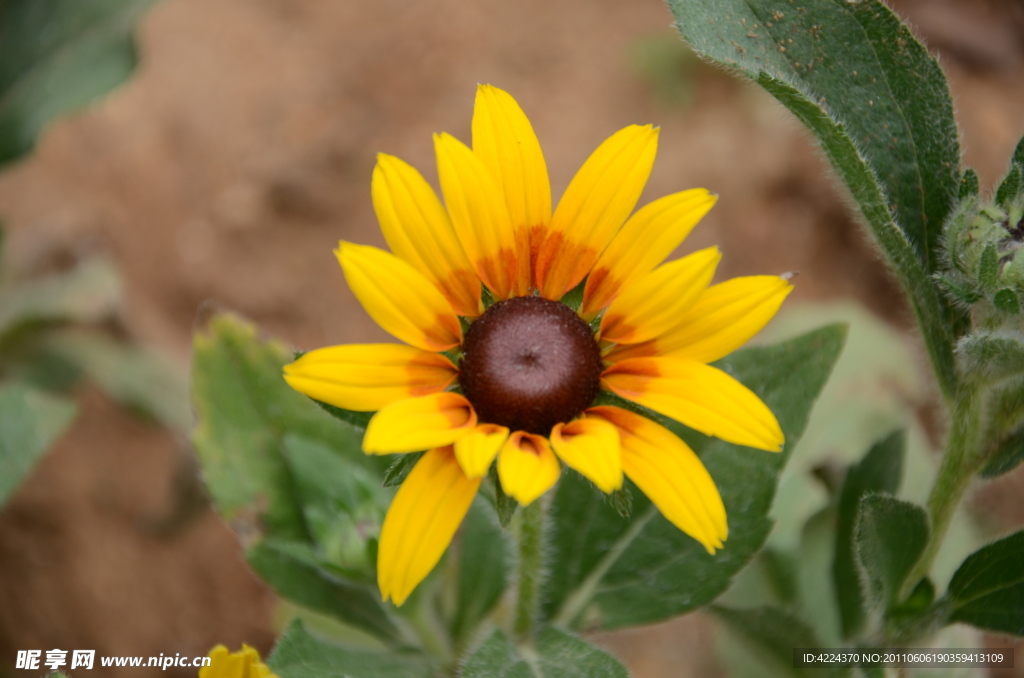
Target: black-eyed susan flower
[[518, 387], [245, 663]]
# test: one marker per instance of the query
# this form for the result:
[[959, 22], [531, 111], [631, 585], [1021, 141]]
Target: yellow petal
[[724, 318], [419, 232], [504, 140], [245, 663], [670, 474], [527, 467], [478, 449], [699, 396], [417, 424], [594, 207], [424, 515], [645, 240], [477, 208], [648, 305], [399, 298], [591, 447], [367, 377]]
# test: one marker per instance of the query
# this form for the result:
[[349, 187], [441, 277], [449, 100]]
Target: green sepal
[[969, 184], [988, 267], [992, 356], [961, 292], [400, 468], [1010, 187], [622, 501], [505, 505]]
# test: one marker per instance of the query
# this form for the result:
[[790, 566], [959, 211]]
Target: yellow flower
[[521, 383], [242, 664]]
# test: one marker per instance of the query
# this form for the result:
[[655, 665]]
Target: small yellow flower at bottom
[[245, 663]]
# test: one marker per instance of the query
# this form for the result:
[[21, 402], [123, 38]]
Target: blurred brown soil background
[[240, 153]]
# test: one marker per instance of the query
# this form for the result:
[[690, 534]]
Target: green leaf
[[87, 293], [860, 65], [300, 655], [960, 291], [30, 421], [889, 537], [342, 502], [294, 572], [483, 569], [880, 470], [988, 589], [627, 572], [879, 105], [1009, 456], [133, 376], [774, 634], [244, 408], [556, 654], [56, 56]]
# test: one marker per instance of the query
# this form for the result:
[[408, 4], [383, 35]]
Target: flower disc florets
[[529, 364]]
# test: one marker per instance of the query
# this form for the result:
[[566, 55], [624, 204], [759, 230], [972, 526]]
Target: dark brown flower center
[[529, 364]]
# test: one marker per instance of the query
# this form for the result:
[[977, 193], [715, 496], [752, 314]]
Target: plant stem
[[531, 556], [960, 462]]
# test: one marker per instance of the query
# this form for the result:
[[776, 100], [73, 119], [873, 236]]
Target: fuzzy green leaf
[[987, 590], [879, 471], [556, 654], [879, 105], [300, 655], [244, 410], [294, 572], [773, 634], [866, 71], [616, 572], [56, 56], [87, 293], [30, 421], [889, 537]]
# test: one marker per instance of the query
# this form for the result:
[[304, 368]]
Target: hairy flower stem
[[960, 462], [531, 564]]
